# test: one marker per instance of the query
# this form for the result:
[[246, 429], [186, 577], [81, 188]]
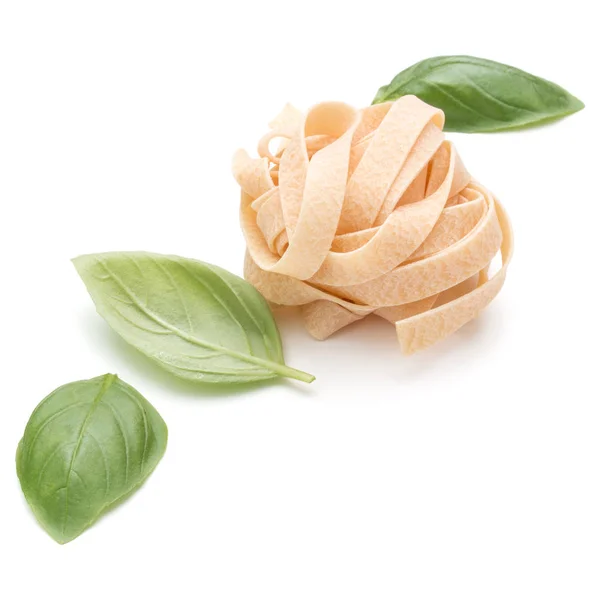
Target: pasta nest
[[370, 211]]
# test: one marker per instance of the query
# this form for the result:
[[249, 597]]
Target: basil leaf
[[479, 95], [196, 320], [87, 446]]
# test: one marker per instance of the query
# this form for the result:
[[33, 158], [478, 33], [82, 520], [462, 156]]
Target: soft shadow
[[109, 344], [465, 346], [370, 347]]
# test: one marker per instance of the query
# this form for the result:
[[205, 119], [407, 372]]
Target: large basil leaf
[[479, 95], [88, 445], [196, 320]]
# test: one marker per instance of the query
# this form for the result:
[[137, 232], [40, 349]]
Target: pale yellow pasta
[[370, 211]]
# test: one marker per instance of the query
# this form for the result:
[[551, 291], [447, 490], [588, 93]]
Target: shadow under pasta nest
[[369, 348]]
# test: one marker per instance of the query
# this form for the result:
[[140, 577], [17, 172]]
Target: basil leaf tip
[[479, 95], [87, 446], [196, 320]]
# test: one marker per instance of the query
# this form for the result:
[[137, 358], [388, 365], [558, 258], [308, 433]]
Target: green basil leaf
[[86, 447], [479, 95], [196, 320]]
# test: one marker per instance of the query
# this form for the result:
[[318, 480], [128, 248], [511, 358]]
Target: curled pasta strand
[[370, 212]]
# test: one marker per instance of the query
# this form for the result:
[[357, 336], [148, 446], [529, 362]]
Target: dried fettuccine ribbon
[[370, 211]]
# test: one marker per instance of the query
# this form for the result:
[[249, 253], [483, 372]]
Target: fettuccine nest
[[370, 211]]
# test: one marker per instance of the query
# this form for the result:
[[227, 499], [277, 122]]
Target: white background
[[470, 471]]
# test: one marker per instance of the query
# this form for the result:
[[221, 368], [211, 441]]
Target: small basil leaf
[[196, 320], [479, 95], [87, 446]]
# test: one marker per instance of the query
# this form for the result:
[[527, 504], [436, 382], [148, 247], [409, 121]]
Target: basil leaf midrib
[[197, 320], [181, 332], [108, 380], [514, 99]]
